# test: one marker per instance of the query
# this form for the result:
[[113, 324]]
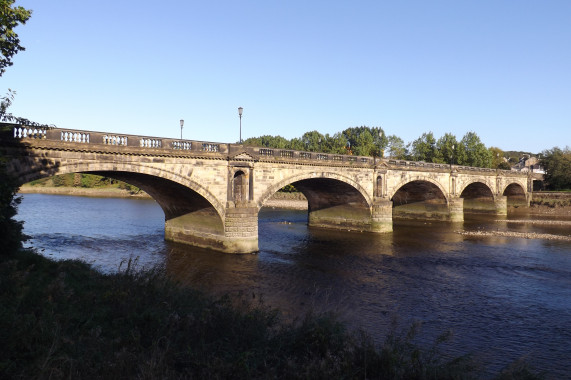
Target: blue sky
[[499, 68]]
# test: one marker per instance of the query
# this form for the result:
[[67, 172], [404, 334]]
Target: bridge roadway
[[211, 193]]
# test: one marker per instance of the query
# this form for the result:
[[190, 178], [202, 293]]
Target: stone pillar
[[382, 216], [240, 228], [501, 202], [456, 209]]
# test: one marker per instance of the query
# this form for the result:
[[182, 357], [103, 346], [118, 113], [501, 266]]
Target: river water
[[503, 298]]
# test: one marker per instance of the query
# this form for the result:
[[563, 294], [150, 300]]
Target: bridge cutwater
[[211, 193]]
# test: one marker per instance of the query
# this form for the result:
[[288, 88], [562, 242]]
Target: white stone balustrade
[[115, 140]]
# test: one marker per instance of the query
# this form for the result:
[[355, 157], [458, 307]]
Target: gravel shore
[[525, 235]]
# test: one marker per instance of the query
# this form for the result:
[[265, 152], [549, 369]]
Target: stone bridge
[[211, 193]]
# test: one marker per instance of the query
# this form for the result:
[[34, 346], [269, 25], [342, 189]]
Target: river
[[503, 298]]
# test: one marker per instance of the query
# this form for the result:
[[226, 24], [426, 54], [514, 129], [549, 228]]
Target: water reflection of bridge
[[211, 193]]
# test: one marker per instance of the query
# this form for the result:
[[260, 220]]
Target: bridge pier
[[237, 233], [353, 218], [340, 217], [240, 228], [456, 209], [501, 203], [382, 216]]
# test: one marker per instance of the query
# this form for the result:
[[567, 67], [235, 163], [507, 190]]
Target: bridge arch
[[420, 197], [311, 176], [114, 169], [333, 200], [406, 181], [471, 181], [515, 194], [478, 196]]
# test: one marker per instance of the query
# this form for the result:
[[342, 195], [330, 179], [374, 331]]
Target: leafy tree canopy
[[424, 148], [446, 149], [557, 164], [366, 141], [372, 141], [396, 147], [498, 158], [10, 18], [473, 152]]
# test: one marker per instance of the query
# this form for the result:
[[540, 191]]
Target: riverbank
[[101, 192]]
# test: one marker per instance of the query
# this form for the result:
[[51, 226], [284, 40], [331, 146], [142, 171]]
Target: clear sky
[[499, 68]]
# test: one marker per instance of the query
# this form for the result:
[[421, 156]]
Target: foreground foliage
[[65, 320], [10, 17], [11, 234]]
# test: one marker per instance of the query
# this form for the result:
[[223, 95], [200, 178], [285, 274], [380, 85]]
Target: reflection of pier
[[211, 193]]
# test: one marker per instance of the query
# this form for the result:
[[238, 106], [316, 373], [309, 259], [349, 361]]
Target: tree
[[312, 141], [472, 152], [424, 148], [396, 148], [267, 141], [10, 18], [498, 158], [446, 149], [10, 229], [336, 144], [557, 164], [366, 141]]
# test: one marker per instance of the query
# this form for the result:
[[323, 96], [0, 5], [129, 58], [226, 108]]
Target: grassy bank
[[83, 185], [65, 320], [551, 199]]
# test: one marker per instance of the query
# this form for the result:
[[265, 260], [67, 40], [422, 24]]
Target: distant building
[[527, 164]]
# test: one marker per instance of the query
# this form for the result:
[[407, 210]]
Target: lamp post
[[240, 110], [181, 124], [452, 160]]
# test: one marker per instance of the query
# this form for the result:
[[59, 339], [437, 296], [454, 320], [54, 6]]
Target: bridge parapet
[[186, 147], [190, 148], [288, 155], [420, 165], [112, 139]]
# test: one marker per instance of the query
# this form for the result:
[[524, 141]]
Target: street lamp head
[[181, 123], [240, 110]]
